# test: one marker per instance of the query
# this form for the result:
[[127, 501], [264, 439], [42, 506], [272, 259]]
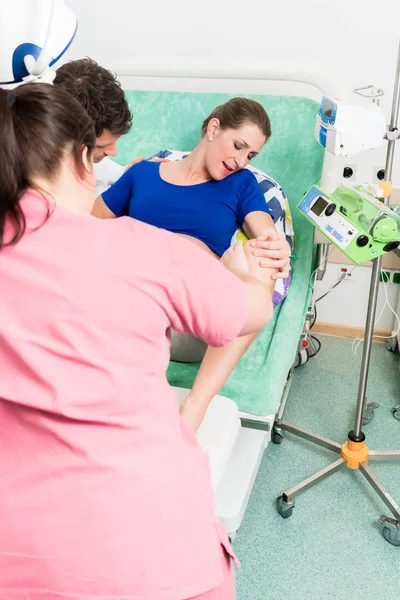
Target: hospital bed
[[248, 413], [240, 421]]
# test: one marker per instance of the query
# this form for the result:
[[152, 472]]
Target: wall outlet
[[385, 277], [345, 274], [378, 174], [349, 172], [396, 277]]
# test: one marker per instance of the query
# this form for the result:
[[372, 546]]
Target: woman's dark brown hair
[[237, 112], [39, 125]]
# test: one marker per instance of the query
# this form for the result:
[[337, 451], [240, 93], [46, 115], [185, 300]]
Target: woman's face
[[231, 149]]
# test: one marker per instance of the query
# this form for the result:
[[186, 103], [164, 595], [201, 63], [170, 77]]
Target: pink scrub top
[[104, 492]]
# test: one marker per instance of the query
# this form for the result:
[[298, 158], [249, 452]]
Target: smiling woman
[[208, 195], [249, 127]]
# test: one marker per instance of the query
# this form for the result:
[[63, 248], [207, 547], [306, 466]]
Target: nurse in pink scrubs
[[105, 493]]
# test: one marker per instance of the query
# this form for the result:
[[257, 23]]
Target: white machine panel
[[321, 211]]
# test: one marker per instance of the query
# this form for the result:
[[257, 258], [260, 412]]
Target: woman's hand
[[274, 251], [235, 260]]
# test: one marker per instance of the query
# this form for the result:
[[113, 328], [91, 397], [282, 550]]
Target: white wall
[[353, 40], [347, 303]]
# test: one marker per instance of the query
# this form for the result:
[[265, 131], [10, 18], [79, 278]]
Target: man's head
[[99, 92]]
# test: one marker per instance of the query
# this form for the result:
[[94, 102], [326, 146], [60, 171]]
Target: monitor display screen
[[319, 205], [328, 109]]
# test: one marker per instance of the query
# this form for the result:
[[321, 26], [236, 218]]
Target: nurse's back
[[104, 493], [97, 473]]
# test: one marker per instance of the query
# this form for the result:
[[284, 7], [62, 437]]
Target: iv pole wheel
[[285, 508], [391, 345], [391, 536], [369, 412], [276, 435], [368, 416], [391, 530], [396, 412], [302, 357]]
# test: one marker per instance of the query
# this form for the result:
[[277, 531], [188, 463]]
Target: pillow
[[278, 204]]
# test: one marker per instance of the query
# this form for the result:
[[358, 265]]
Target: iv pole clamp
[[354, 453]]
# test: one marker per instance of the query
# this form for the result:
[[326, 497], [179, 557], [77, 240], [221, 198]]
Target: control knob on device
[[330, 209], [362, 241]]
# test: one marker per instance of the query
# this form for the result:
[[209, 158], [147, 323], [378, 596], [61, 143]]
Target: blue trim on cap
[[18, 65]]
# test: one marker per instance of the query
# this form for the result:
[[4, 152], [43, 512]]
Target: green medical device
[[354, 220]]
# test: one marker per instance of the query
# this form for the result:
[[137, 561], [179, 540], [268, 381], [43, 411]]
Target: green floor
[[331, 548]]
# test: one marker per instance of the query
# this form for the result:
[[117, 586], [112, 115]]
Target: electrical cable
[[341, 278], [314, 349], [357, 341]]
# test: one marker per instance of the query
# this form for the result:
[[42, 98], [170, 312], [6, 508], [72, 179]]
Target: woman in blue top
[[206, 197]]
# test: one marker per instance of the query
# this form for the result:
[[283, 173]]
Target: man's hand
[[274, 252], [139, 159]]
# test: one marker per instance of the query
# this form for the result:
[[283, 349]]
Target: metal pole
[[376, 267], [369, 329], [396, 96]]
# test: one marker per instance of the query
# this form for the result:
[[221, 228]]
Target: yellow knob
[[386, 186]]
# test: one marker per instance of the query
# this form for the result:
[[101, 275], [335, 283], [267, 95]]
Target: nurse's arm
[[101, 210]]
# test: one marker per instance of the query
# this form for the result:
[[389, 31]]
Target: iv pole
[[354, 453]]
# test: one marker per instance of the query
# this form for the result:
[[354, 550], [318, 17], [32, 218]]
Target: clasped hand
[[274, 252]]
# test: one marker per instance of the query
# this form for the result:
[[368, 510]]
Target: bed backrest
[[173, 120]]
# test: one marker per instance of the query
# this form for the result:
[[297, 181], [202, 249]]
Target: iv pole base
[[353, 455]]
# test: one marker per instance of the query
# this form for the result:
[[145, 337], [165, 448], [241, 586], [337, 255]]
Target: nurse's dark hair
[[39, 126], [237, 112]]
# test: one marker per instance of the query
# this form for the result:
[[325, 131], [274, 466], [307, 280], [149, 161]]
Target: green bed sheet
[[172, 120]]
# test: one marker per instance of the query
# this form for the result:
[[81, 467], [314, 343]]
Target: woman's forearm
[[217, 365]]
